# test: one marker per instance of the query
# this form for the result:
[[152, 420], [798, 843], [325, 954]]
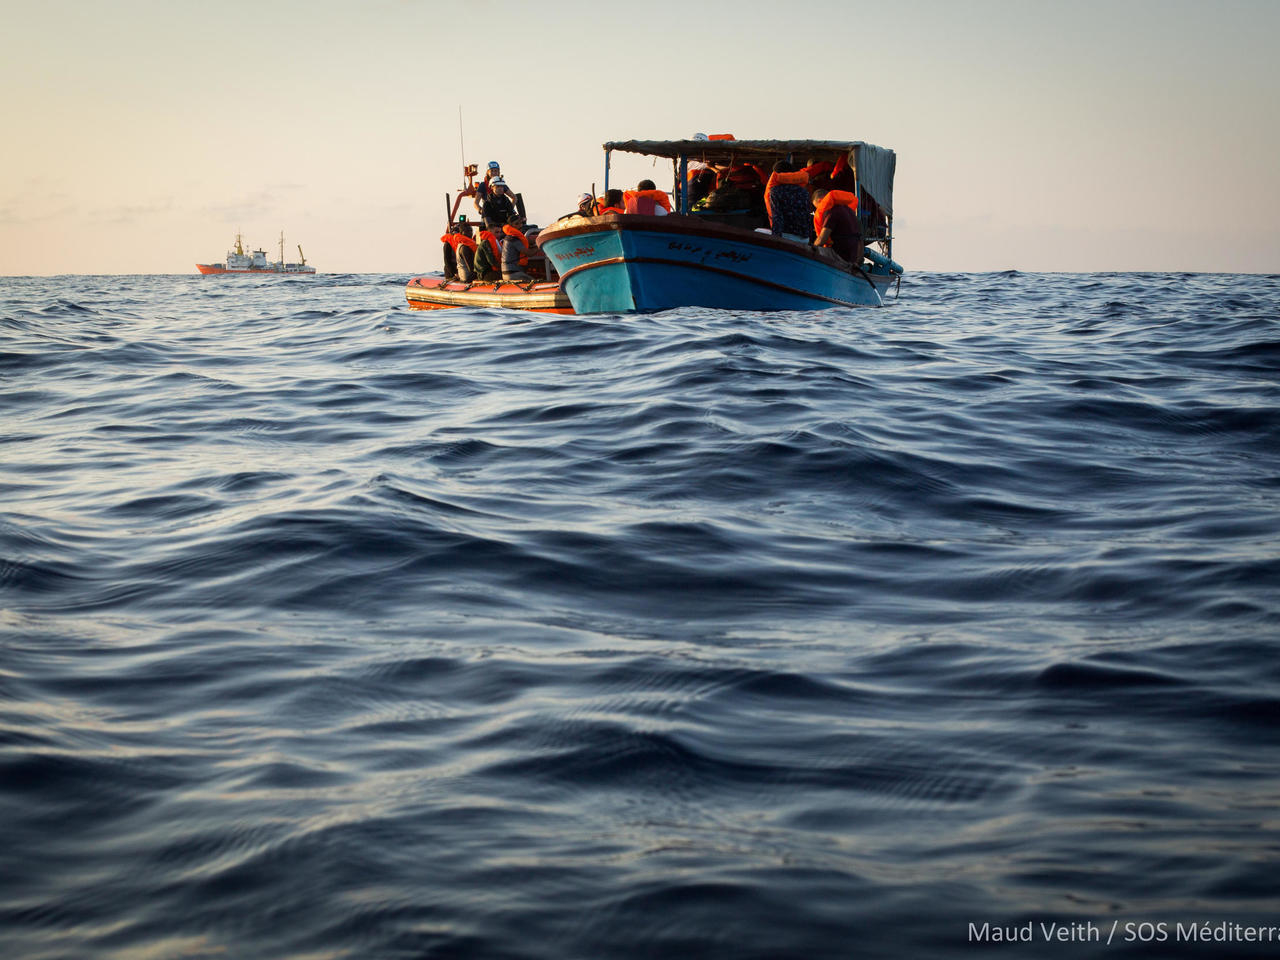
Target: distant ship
[[240, 262]]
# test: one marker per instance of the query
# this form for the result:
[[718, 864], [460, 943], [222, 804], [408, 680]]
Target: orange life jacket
[[456, 240], [603, 208], [634, 200], [777, 180], [721, 136], [492, 241], [821, 168], [842, 198], [516, 232]]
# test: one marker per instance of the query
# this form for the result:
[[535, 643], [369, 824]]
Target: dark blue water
[[331, 629]]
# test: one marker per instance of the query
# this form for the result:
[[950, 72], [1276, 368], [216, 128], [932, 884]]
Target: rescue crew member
[[494, 172], [497, 207]]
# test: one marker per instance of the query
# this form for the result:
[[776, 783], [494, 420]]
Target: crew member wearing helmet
[[498, 206], [494, 172]]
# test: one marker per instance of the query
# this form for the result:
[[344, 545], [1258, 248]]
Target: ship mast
[[282, 246]]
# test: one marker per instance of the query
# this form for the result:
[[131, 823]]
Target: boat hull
[[627, 263], [436, 293], [208, 269]]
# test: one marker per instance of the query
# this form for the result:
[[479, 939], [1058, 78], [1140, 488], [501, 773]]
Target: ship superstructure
[[240, 262]]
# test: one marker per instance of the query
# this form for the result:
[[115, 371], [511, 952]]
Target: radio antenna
[[461, 147]]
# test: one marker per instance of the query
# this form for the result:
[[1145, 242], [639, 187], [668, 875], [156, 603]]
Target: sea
[[336, 630]]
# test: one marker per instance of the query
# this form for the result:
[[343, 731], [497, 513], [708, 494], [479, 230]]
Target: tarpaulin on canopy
[[875, 165]]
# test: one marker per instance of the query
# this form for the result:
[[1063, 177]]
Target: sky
[[1120, 135]]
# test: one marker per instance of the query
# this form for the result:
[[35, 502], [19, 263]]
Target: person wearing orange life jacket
[[819, 173], [450, 254], [613, 201], [488, 256], [786, 200], [459, 252], [647, 199], [515, 251], [835, 224]]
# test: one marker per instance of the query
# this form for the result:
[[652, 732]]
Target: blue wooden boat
[[726, 258]]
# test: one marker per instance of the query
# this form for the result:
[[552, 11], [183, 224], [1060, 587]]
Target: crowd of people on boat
[[500, 249], [818, 204]]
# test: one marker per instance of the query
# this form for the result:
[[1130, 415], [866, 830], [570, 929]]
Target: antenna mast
[[462, 150]]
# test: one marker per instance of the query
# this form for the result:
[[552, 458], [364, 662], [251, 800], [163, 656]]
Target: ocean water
[[332, 629]]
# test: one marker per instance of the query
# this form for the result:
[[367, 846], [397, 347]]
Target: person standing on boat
[[786, 198], [482, 188], [835, 221]]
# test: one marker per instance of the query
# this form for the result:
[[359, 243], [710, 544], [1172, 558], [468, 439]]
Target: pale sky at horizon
[[140, 136]]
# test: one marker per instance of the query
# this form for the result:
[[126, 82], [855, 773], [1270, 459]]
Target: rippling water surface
[[331, 629]]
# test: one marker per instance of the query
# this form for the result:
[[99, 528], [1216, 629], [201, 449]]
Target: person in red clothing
[[646, 198]]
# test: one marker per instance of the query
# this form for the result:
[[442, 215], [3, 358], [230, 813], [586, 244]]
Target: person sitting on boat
[[701, 183], [750, 180], [586, 206], [835, 223], [488, 256], [459, 252], [466, 253], [646, 198], [515, 251], [450, 255], [786, 198], [497, 207], [614, 202]]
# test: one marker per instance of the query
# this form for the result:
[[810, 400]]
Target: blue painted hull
[[621, 264]]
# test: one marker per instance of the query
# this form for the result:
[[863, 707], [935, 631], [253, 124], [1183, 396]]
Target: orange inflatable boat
[[436, 293]]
